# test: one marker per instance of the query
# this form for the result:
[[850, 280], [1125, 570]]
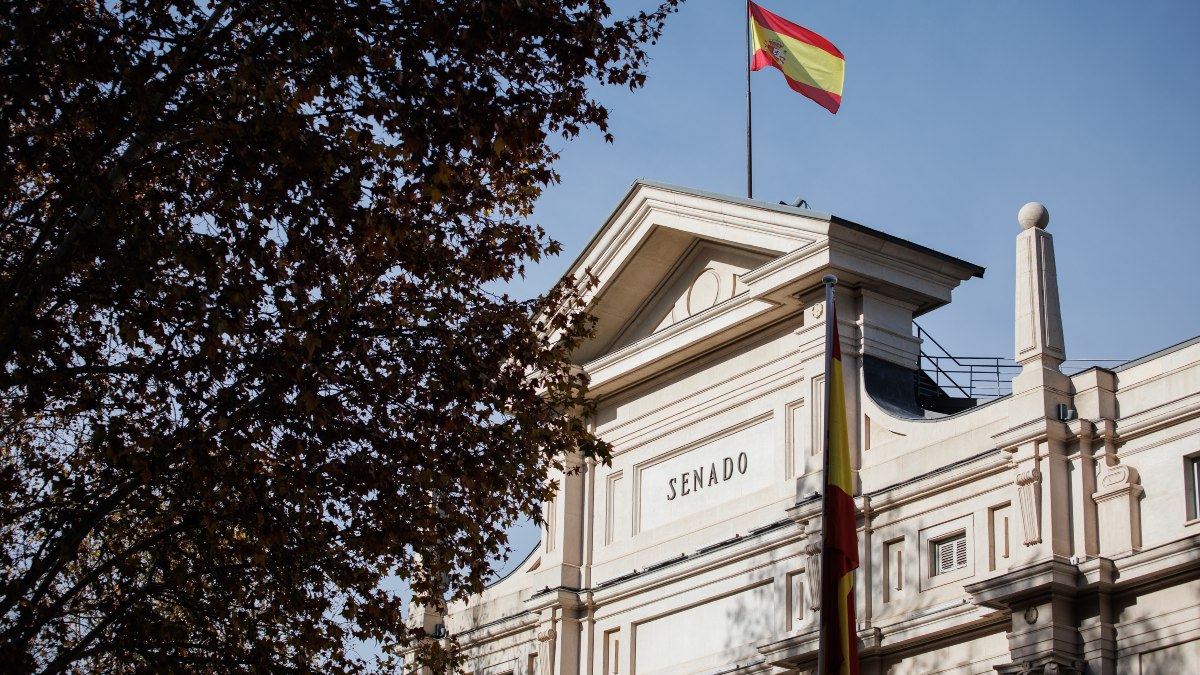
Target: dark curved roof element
[[891, 387], [894, 389]]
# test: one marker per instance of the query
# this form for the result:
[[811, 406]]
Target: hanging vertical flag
[[839, 545], [810, 63]]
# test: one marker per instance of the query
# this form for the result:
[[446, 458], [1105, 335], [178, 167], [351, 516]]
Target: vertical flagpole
[[749, 149], [830, 316]]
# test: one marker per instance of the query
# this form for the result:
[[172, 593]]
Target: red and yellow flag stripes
[[839, 549], [809, 62]]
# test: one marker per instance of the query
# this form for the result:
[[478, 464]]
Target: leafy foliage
[[251, 367]]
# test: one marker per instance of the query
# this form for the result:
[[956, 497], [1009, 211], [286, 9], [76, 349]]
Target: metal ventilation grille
[[950, 554]]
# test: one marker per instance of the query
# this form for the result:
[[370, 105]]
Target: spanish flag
[[839, 546], [810, 63]]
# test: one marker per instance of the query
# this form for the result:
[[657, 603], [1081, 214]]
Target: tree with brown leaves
[[251, 366]]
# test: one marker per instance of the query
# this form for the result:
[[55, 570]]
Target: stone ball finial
[[1033, 214]]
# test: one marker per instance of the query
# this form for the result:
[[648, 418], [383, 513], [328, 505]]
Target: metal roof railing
[[942, 375]]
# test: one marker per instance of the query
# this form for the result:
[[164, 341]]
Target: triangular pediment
[[666, 255], [680, 273]]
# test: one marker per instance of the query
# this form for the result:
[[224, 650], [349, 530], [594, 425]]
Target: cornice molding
[[1157, 418]]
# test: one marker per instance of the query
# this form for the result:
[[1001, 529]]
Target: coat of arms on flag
[[778, 51]]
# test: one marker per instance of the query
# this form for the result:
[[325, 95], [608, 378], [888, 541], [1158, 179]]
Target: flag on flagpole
[[810, 63], [839, 545]]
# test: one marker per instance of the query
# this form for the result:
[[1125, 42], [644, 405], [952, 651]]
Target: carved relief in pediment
[[711, 286], [706, 277]]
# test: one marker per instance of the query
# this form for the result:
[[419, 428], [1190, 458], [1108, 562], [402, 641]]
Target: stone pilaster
[[572, 495], [564, 528], [1097, 618], [1039, 588], [1083, 485]]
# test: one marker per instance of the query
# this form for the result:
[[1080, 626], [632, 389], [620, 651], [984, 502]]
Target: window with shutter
[[950, 553]]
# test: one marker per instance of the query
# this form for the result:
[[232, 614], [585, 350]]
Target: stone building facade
[[1054, 529]]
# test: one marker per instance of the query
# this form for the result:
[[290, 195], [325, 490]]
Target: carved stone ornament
[[546, 649], [1031, 615], [1054, 666], [812, 571], [1117, 501], [1029, 493], [704, 292], [1118, 477], [818, 310], [1062, 668]]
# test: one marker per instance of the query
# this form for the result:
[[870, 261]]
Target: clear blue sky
[[954, 115]]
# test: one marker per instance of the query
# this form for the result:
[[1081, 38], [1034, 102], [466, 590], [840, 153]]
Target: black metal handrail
[[951, 376], [966, 376], [941, 375]]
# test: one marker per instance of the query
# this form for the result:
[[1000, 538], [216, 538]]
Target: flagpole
[[749, 148], [830, 317]]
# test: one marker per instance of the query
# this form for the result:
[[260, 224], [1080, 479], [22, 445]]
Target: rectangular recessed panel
[[714, 473], [730, 622]]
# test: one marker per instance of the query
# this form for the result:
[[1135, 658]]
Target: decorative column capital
[[1053, 666], [1117, 499], [812, 572], [1029, 499]]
